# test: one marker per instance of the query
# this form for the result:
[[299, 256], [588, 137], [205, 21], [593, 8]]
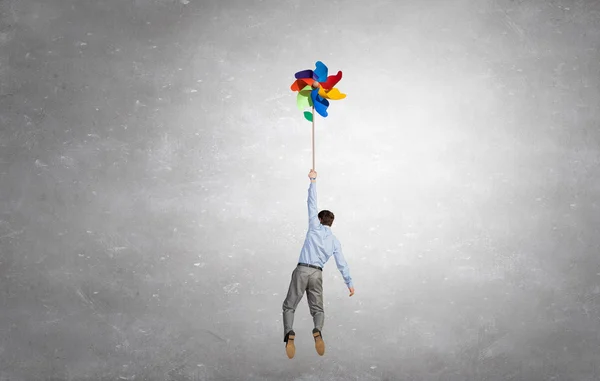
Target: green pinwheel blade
[[308, 115], [304, 100]]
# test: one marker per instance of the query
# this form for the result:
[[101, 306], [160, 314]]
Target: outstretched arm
[[342, 265], [313, 219]]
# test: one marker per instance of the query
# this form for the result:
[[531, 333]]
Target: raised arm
[[313, 219], [342, 265]]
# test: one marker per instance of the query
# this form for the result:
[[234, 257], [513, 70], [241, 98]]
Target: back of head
[[326, 217]]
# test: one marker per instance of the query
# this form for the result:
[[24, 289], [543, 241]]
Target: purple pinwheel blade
[[304, 74]]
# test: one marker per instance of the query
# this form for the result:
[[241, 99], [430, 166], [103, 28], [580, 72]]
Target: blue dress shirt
[[320, 243]]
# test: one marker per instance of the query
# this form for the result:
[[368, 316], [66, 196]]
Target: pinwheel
[[315, 89]]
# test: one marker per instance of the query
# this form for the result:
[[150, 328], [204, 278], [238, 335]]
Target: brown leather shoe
[[290, 349], [319, 343]]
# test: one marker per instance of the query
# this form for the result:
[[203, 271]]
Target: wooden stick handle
[[313, 138]]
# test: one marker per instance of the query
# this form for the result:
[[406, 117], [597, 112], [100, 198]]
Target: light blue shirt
[[320, 243]]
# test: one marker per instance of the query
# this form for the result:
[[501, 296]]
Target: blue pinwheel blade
[[319, 103], [320, 73], [304, 74]]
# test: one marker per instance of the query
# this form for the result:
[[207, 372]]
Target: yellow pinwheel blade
[[333, 94]]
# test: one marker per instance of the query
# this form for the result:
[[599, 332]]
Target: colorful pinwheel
[[314, 89]]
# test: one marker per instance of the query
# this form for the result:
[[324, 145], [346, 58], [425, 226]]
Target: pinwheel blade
[[333, 94], [319, 103], [320, 73], [304, 74], [301, 83], [332, 80], [304, 100]]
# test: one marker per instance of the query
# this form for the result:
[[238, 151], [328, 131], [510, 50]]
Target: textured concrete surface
[[153, 177]]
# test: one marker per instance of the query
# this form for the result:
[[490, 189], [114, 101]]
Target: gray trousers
[[309, 280]]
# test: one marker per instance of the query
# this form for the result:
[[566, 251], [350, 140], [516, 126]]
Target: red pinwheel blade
[[332, 80]]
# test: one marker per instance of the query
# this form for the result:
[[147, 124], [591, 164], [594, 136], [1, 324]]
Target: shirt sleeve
[[341, 263], [313, 219]]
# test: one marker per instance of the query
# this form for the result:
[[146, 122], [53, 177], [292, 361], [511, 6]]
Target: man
[[320, 244]]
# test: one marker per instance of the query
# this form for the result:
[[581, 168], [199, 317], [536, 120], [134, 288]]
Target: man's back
[[320, 243]]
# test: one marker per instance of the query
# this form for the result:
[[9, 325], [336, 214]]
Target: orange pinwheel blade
[[301, 83]]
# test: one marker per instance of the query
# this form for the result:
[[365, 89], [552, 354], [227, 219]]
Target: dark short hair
[[326, 217]]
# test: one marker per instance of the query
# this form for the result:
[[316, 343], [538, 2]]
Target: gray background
[[153, 182]]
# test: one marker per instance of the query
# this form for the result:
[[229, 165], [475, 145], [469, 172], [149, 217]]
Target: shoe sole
[[290, 349], [319, 344]]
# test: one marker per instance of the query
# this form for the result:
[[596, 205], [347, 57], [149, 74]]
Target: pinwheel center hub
[[316, 84]]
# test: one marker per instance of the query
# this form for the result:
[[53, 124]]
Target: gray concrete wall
[[153, 177]]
